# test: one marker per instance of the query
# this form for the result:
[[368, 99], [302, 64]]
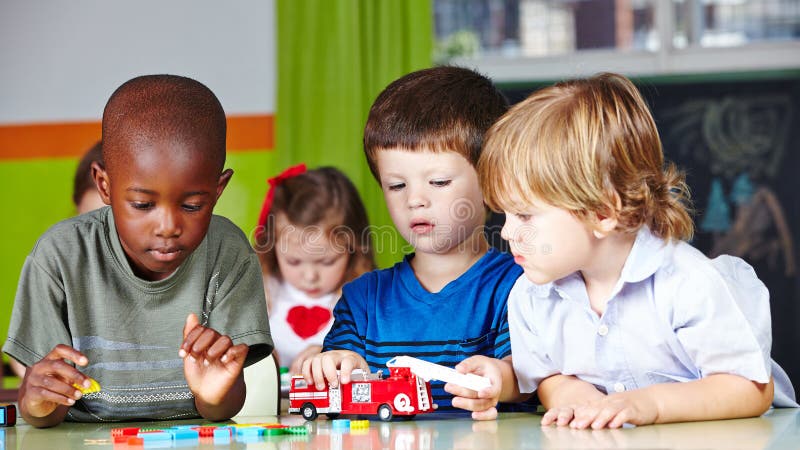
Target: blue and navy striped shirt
[[387, 313]]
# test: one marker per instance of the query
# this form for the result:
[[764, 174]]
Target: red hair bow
[[274, 182]]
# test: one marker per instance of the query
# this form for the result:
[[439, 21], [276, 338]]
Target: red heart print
[[307, 322]]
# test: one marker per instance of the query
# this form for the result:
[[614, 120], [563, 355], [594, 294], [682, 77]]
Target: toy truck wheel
[[309, 411], [385, 412]]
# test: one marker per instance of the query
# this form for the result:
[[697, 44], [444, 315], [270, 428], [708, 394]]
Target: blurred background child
[[85, 197], [313, 237], [84, 192]]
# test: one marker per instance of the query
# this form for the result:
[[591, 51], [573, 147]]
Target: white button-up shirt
[[673, 316]]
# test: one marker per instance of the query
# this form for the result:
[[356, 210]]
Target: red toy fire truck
[[402, 394]]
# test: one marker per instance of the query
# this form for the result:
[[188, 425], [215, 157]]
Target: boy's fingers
[[62, 351], [460, 391], [191, 323], [191, 330], [346, 368], [547, 419], [329, 370], [620, 419], [467, 365], [219, 348], [473, 404], [297, 366], [490, 392], [59, 382], [564, 417], [489, 414], [46, 395], [349, 363], [206, 337], [235, 353], [603, 417], [54, 372], [317, 376], [306, 369]]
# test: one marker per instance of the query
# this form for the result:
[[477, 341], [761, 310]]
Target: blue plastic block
[[185, 433], [222, 435], [341, 423], [156, 436]]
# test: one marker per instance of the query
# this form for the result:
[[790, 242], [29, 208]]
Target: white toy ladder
[[429, 371], [422, 395]]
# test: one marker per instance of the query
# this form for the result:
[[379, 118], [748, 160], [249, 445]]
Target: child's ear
[[101, 181], [224, 178], [606, 222]]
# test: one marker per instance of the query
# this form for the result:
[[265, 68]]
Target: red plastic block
[[124, 431], [205, 431]]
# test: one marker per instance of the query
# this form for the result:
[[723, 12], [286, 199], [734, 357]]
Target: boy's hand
[[634, 407], [560, 416], [48, 384], [297, 364], [211, 363], [323, 367], [483, 403]]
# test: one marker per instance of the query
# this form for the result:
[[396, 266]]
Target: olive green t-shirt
[[78, 289]]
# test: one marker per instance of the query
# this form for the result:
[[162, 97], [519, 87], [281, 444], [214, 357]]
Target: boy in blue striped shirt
[[446, 300]]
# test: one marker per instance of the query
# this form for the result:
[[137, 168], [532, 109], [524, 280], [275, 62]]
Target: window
[[730, 23], [544, 39]]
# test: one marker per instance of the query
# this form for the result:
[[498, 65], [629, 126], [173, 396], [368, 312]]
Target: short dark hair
[[155, 106], [443, 108], [84, 181]]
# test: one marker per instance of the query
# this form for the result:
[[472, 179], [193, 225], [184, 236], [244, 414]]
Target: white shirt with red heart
[[297, 320]]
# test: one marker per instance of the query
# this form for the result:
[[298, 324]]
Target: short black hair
[[157, 106], [443, 108]]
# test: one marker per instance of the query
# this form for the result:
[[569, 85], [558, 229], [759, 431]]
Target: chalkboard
[[739, 142]]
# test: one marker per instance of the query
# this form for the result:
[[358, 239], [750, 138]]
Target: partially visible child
[[447, 299], [156, 298], [617, 319], [313, 236], [85, 197]]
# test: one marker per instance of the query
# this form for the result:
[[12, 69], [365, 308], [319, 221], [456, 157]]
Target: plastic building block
[[207, 431], [124, 431], [248, 431], [297, 430], [430, 371], [222, 435], [182, 433], [8, 415], [153, 436], [359, 424], [274, 431], [340, 423], [93, 387]]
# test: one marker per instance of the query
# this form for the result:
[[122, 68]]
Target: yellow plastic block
[[94, 387]]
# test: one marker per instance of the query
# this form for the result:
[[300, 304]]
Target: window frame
[[667, 60]]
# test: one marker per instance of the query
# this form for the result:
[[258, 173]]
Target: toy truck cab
[[401, 394]]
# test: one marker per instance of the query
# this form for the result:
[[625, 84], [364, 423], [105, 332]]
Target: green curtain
[[334, 57]]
